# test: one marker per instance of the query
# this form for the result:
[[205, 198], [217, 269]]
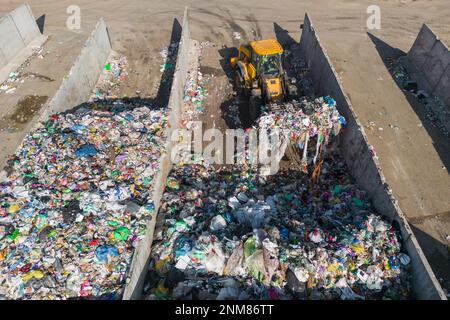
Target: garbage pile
[[308, 126], [113, 75], [231, 113], [194, 95], [76, 201], [437, 112], [227, 233]]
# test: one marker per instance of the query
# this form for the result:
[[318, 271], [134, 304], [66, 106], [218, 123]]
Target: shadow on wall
[[287, 42], [41, 23], [438, 255], [162, 97], [283, 36], [440, 142]]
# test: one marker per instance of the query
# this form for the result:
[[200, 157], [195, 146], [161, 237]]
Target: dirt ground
[[414, 156]]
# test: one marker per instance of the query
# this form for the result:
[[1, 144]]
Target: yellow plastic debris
[[358, 248], [13, 208], [38, 274]]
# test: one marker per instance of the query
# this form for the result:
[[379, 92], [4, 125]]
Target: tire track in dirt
[[256, 29], [233, 26]]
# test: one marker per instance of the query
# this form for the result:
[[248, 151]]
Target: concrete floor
[[415, 159]]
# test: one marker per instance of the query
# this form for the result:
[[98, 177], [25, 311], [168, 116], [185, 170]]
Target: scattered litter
[[237, 35], [113, 75], [17, 77], [194, 95]]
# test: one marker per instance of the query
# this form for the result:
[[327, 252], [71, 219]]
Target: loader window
[[255, 58], [244, 54], [269, 65]]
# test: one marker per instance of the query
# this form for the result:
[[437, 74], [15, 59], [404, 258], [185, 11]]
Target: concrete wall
[[431, 56], [83, 76], [139, 265], [18, 31], [363, 166], [84, 73]]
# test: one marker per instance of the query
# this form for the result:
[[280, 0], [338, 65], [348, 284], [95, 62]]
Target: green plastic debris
[[337, 189], [115, 173], [166, 66], [146, 181], [288, 196], [181, 226], [52, 233], [255, 264], [113, 223], [249, 247], [14, 235], [121, 233], [357, 202]]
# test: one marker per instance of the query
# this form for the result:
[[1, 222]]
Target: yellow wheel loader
[[259, 75]]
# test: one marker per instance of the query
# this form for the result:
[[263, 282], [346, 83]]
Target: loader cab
[[259, 74], [267, 65], [259, 59], [266, 56]]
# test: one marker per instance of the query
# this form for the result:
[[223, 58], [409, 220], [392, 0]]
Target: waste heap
[[77, 199], [225, 233], [307, 125], [194, 96], [112, 77]]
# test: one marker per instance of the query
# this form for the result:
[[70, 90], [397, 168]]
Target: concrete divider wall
[[25, 22], [141, 257], [363, 166], [83, 75], [431, 57], [17, 30]]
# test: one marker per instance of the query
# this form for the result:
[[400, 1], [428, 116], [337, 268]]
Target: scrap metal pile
[[226, 233], [76, 201]]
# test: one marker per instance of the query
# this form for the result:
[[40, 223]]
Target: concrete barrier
[[431, 57], [139, 264], [84, 73], [19, 36], [83, 76], [363, 166]]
